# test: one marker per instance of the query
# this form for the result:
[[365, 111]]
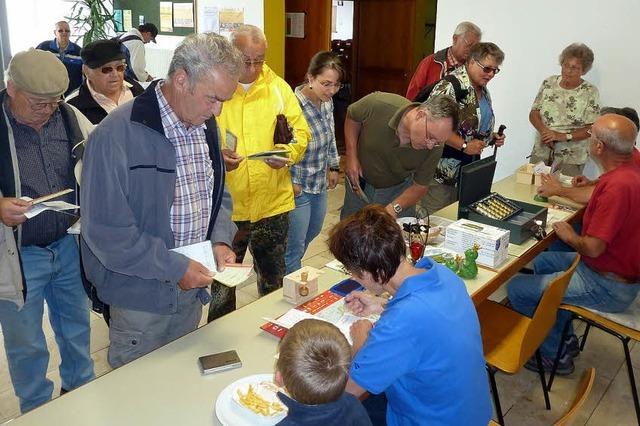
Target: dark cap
[[149, 28], [99, 52]]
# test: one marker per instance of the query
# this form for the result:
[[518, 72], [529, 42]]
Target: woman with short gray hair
[[564, 109]]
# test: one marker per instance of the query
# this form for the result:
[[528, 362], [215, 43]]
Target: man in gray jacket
[[153, 180], [38, 259]]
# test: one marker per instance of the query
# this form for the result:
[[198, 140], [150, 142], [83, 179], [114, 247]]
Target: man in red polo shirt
[[608, 276], [438, 64], [581, 188]]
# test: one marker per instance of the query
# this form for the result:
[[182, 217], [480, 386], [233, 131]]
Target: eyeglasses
[[249, 63], [41, 106], [467, 43], [572, 67], [486, 69], [328, 84], [108, 70], [63, 31], [428, 138]]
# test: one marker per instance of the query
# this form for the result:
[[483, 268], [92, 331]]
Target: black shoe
[[572, 346], [565, 366]]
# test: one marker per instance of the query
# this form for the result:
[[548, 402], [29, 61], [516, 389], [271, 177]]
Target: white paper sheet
[[48, 205], [203, 253]]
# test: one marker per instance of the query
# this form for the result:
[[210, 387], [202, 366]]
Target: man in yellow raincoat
[[261, 189]]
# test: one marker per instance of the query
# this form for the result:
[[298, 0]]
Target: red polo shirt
[[613, 215]]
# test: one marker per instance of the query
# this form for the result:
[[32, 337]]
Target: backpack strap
[[459, 92]]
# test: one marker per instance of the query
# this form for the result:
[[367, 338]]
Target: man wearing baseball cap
[[105, 86], [37, 134], [134, 41]]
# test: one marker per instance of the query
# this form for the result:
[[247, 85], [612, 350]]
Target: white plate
[[231, 413]]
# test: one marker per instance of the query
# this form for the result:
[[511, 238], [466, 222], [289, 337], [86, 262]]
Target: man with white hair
[[67, 51], [262, 191], [153, 180], [438, 64], [608, 275], [38, 259]]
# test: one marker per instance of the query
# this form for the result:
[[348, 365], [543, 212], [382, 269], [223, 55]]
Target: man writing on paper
[[261, 189], [153, 179], [38, 259]]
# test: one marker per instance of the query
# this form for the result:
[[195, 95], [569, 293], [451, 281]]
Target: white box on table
[[494, 242], [296, 290]]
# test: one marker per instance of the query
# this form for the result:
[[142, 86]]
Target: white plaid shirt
[[311, 172], [191, 208]]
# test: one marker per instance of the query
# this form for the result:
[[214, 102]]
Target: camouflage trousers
[[267, 242]]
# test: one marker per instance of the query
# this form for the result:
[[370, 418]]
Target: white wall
[[532, 35], [31, 21]]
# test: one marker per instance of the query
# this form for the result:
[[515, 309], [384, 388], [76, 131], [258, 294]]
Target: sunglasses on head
[[108, 70]]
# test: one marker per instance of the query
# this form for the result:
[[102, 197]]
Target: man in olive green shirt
[[393, 148]]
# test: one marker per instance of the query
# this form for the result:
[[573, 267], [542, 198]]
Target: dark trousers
[[267, 242]]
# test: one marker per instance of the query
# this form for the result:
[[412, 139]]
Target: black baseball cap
[[99, 52], [149, 28]]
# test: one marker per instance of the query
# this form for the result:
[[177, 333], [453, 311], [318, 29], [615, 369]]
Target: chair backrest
[[545, 315], [584, 389]]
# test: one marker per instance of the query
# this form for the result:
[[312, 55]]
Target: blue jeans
[[586, 289], [305, 223], [52, 273], [353, 203]]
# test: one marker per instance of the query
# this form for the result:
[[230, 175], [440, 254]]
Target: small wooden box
[[296, 290], [525, 174]]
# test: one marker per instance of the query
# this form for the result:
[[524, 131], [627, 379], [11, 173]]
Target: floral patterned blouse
[[565, 110]]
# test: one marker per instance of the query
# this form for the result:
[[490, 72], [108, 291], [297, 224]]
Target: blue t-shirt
[[426, 354], [486, 114]]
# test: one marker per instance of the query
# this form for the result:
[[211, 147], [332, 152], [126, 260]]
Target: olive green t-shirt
[[384, 162]]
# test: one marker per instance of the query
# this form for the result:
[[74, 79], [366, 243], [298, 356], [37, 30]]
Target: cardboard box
[[524, 174], [296, 290], [494, 242]]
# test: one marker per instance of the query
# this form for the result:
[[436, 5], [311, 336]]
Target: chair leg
[[494, 392], [632, 381], [556, 361], [542, 380], [584, 336]]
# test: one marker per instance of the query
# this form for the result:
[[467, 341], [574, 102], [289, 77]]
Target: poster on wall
[[230, 19], [117, 17], [295, 25], [166, 16], [183, 15], [210, 21], [126, 19]]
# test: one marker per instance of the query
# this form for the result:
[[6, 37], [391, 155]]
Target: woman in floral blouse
[[563, 111]]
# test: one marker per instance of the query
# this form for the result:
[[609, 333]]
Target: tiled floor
[[521, 395]]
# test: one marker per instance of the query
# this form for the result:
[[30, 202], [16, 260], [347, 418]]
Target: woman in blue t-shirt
[[425, 351]]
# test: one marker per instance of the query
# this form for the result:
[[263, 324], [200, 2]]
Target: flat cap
[[38, 72], [100, 52]]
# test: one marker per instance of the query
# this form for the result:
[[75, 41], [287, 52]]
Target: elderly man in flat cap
[[105, 86], [38, 259]]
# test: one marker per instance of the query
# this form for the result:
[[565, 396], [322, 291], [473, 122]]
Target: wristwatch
[[569, 136], [397, 208], [334, 169], [464, 146]]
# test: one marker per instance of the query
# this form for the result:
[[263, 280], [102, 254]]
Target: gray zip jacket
[[127, 189]]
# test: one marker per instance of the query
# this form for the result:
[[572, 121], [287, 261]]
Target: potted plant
[[92, 19]]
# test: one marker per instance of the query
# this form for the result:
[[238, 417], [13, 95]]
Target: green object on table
[[540, 198], [468, 268], [451, 264]]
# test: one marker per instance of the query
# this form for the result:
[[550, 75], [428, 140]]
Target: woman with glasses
[[564, 109], [468, 85], [105, 86], [320, 165]]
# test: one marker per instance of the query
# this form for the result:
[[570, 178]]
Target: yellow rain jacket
[[258, 191]]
